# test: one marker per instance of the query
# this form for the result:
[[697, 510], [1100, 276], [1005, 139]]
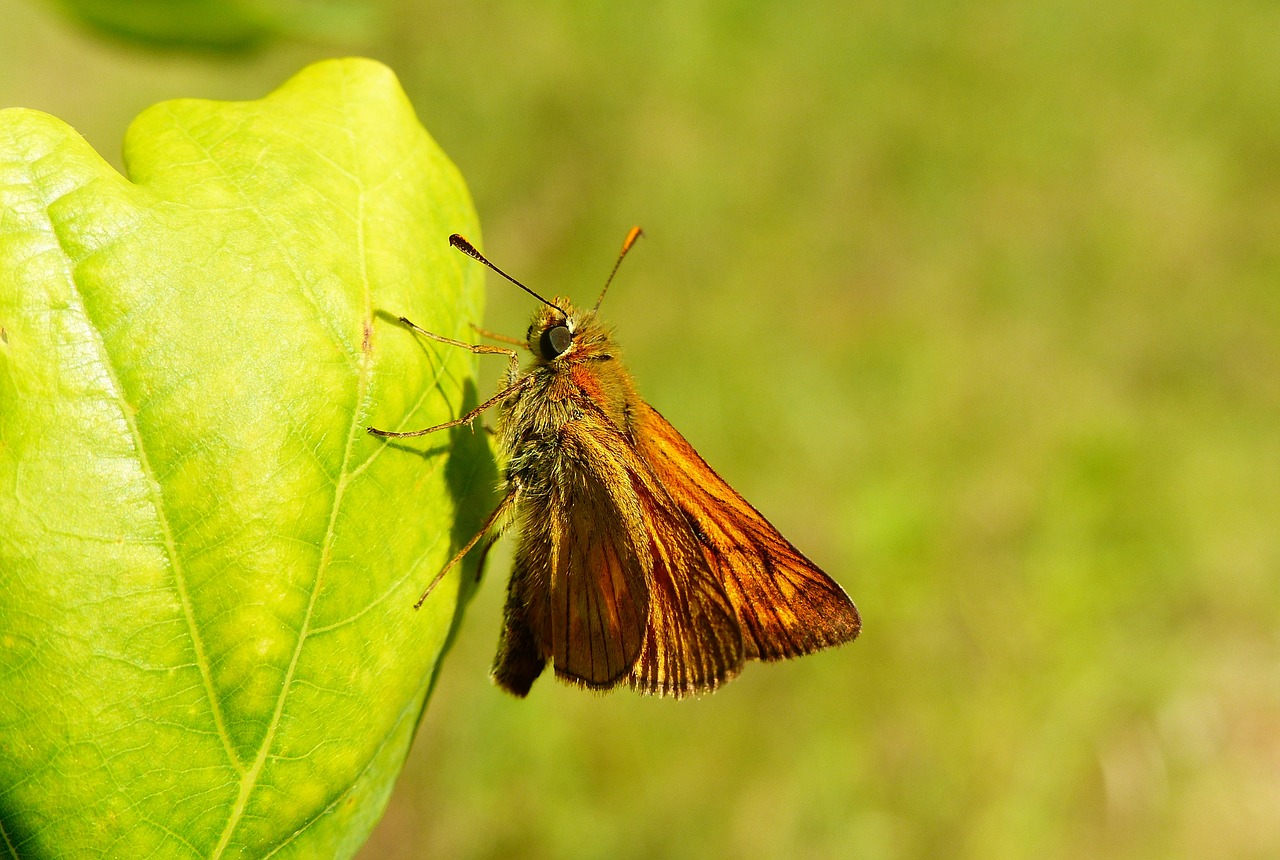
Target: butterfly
[[635, 562]]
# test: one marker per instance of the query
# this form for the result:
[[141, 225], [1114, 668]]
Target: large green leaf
[[207, 567], [223, 25]]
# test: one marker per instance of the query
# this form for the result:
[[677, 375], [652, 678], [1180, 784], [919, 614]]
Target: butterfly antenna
[[470, 250], [634, 234]]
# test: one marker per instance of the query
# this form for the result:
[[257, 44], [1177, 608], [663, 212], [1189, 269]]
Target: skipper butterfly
[[635, 562]]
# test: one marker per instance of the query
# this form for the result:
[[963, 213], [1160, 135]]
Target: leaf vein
[[156, 491], [334, 331], [249, 781]]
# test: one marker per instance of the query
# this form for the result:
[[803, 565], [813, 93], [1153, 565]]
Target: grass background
[[978, 302]]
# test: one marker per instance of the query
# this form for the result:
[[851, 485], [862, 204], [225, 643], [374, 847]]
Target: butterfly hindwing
[[520, 659], [599, 594]]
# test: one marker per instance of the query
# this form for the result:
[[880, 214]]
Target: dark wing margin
[[520, 659], [786, 605]]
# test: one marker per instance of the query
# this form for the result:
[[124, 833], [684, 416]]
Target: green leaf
[[223, 25], [207, 567]]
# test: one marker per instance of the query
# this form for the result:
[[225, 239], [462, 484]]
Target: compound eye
[[555, 341]]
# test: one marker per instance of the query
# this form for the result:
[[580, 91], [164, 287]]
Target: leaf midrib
[[249, 779], [155, 488]]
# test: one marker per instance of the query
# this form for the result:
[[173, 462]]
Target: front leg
[[498, 521], [512, 382], [513, 358], [517, 386]]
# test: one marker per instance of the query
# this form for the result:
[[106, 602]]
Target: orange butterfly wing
[[786, 605], [592, 624], [693, 642], [626, 533], [659, 573], [599, 594]]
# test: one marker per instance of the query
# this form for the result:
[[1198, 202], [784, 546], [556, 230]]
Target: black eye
[[555, 341]]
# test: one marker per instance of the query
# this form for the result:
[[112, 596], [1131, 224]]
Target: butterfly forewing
[[693, 643], [786, 605]]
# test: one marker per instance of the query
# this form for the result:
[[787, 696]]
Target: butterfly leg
[[497, 398], [499, 517], [513, 358], [501, 338], [513, 384]]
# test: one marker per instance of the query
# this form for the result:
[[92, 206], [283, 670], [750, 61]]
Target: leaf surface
[[207, 567]]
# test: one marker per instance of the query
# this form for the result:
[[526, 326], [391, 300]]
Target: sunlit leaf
[[207, 567]]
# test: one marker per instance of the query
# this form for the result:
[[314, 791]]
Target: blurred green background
[[978, 302]]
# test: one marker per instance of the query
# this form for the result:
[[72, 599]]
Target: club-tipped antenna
[[467, 248], [635, 233]]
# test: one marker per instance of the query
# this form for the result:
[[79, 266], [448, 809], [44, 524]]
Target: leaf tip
[[362, 71]]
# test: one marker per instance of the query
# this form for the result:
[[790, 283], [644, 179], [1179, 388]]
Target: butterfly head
[[562, 332]]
